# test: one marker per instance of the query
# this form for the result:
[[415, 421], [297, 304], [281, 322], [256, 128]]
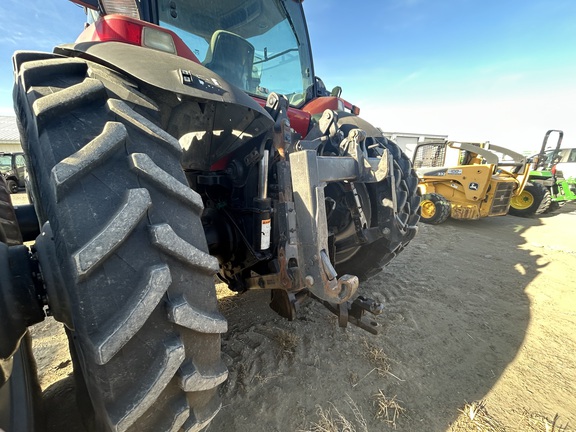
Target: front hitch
[[353, 312], [320, 277], [301, 216]]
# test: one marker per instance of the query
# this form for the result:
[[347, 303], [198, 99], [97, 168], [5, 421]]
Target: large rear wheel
[[124, 255], [535, 199]]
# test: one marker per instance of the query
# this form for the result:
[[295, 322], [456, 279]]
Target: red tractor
[[177, 140]]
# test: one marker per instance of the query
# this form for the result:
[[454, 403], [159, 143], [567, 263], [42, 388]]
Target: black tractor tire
[[368, 260], [434, 209], [554, 206], [9, 230], [134, 279], [535, 199], [12, 186], [20, 392]]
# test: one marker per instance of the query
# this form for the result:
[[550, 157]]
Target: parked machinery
[[466, 180], [12, 168], [554, 168]]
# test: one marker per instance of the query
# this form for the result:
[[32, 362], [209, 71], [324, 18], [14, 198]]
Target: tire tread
[[128, 245]]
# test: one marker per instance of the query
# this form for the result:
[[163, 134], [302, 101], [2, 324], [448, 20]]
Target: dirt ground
[[478, 334]]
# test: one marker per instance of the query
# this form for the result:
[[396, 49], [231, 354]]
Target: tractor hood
[[224, 118]]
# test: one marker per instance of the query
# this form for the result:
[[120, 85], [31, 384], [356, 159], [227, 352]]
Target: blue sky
[[498, 70], [502, 70]]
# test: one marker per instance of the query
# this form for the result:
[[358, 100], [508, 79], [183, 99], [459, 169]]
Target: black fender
[[346, 118], [224, 106], [161, 70]]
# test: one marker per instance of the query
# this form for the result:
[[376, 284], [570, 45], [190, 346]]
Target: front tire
[[136, 282], [535, 199], [399, 229], [554, 206], [434, 209], [12, 186]]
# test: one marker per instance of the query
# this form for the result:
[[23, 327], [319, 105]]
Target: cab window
[[257, 46]]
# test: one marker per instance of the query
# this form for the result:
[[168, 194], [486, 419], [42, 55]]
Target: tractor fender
[[163, 70], [176, 81], [352, 119]]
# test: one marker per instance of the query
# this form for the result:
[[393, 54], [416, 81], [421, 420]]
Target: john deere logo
[[473, 186]]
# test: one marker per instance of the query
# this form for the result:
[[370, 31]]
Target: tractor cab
[[258, 46]]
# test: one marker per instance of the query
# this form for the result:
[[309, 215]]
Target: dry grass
[[475, 417], [287, 342], [388, 409], [227, 300], [332, 420], [377, 358], [353, 378], [539, 423], [265, 379]]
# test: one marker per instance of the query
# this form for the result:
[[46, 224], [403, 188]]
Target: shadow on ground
[[61, 412], [456, 315]]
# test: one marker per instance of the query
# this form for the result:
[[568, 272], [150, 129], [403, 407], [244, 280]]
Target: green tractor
[[553, 169], [177, 140]]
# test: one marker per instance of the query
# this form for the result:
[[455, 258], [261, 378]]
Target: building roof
[[9, 129]]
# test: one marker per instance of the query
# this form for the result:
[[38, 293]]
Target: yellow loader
[[466, 180]]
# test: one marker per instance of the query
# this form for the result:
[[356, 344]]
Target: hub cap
[[428, 209], [522, 201]]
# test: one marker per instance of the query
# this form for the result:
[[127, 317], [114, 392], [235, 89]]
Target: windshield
[[555, 156], [5, 163], [260, 46]]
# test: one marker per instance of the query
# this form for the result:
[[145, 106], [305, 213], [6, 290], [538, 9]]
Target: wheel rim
[[427, 209], [522, 201]]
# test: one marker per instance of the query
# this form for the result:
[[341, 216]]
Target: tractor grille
[[502, 196]]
